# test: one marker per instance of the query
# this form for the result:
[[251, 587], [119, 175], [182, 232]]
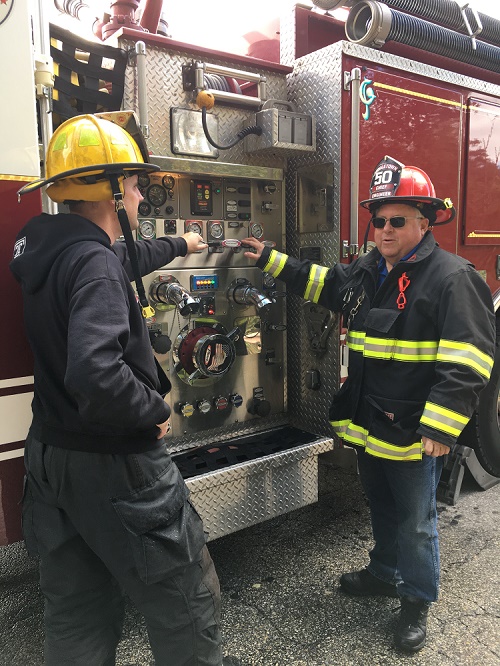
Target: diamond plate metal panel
[[253, 492], [164, 90], [315, 86], [415, 67], [287, 38]]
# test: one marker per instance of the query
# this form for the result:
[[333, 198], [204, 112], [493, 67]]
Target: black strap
[[129, 241]]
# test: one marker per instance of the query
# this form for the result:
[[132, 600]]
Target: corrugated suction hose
[[373, 24], [448, 14]]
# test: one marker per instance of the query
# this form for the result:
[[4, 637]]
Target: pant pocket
[[27, 520], [165, 532]]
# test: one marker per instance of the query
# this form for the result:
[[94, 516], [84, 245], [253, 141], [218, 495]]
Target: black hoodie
[[96, 384]]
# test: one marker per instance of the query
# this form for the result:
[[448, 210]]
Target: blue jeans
[[402, 497]]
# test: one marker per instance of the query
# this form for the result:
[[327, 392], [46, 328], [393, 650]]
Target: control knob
[[236, 399], [221, 403], [260, 407], [204, 406], [186, 409]]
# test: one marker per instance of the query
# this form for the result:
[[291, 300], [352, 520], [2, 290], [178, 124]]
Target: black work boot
[[412, 624], [364, 584]]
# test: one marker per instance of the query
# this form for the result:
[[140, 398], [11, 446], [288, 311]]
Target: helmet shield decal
[[386, 178]]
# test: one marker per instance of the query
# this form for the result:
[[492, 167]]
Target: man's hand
[[164, 428], [194, 242], [434, 449], [256, 244]]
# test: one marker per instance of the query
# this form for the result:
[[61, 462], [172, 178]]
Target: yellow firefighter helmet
[[82, 153]]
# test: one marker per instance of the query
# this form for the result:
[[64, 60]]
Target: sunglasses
[[397, 221]]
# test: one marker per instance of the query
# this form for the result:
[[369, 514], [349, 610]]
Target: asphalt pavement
[[281, 601]]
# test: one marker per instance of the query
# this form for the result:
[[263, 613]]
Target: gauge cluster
[[223, 211]]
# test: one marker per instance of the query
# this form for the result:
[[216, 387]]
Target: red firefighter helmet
[[393, 182]]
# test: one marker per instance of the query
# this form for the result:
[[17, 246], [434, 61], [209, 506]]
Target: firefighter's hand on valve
[[257, 246], [194, 242], [164, 428], [434, 449]]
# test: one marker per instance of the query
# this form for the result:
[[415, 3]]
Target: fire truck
[[284, 155]]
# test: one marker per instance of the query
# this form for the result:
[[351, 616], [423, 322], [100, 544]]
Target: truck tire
[[487, 425]]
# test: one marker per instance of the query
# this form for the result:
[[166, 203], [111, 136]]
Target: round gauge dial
[[195, 227], [144, 208], [168, 182], [143, 180], [147, 228], [216, 230], [256, 230], [156, 195]]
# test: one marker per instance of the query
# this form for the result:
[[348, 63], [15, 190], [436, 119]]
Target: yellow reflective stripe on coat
[[276, 263], [315, 283], [400, 350], [443, 419], [445, 351], [390, 348], [356, 340], [466, 354], [354, 434]]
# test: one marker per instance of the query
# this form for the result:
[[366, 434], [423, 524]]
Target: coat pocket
[[394, 421], [165, 531]]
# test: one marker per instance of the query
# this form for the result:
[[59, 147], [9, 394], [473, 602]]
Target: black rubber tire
[[487, 427]]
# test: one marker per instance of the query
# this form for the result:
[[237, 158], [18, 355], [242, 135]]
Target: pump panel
[[219, 326]]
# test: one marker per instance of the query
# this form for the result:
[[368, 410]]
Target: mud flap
[[449, 486]]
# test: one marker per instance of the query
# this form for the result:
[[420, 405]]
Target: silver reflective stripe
[[354, 434], [443, 419], [276, 263], [466, 354], [315, 283]]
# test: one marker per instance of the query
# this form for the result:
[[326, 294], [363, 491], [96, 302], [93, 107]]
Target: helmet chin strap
[[147, 310]]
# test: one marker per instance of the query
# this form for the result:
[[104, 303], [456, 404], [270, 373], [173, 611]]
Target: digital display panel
[[201, 197], [204, 282]]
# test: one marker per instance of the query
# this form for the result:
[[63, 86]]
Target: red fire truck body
[[351, 105]]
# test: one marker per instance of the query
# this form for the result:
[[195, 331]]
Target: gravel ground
[[281, 602]]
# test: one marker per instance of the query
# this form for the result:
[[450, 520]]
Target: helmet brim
[[94, 170], [381, 201]]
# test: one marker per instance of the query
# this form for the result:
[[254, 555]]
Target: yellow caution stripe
[[354, 434], [27, 179], [414, 93], [443, 419]]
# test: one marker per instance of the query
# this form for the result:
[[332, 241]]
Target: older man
[[421, 336]]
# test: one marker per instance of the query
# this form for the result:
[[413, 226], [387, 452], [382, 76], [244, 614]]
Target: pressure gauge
[[195, 227], [216, 230], [157, 195], [144, 208], [256, 230], [147, 229], [143, 180], [168, 182]]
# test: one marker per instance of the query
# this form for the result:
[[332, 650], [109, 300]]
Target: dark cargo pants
[[106, 524]]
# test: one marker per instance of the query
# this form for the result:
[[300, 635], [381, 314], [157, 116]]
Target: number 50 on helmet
[[393, 182], [84, 151]]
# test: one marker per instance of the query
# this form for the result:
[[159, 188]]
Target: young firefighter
[[421, 336], [105, 509]]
